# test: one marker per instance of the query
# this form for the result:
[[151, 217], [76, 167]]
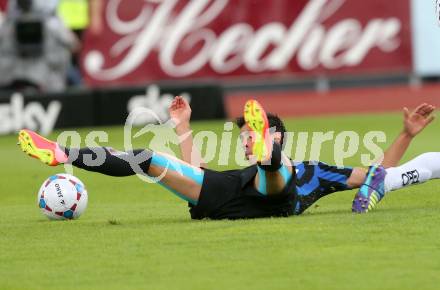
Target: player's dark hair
[[274, 121], [25, 5]]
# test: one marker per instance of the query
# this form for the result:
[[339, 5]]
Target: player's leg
[[176, 175], [180, 177], [273, 177], [274, 169], [379, 180], [418, 170], [374, 183], [356, 177]]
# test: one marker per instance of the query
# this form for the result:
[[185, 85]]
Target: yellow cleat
[[41, 148], [256, 119]]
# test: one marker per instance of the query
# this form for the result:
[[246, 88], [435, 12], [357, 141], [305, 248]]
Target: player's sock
[[274, 163], [109, 161], [420, 169]]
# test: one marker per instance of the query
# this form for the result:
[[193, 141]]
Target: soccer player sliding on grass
[[271, 187], [314, 181]]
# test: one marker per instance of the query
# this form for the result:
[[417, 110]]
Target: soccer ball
[[62, 196]]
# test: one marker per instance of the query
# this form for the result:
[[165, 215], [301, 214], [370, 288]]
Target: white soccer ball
[[62, 196]]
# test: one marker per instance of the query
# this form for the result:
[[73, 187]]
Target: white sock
[[422, 168]]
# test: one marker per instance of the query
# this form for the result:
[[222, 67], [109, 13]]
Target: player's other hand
[[415, 121], [180, 111]]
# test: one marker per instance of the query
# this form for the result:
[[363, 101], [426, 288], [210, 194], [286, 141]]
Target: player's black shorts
[[232, 195], [317, 179]]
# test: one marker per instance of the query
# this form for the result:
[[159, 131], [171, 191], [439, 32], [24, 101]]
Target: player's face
[[247, 137]]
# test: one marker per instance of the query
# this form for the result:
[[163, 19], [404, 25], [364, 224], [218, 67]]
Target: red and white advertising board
[[150, 40]]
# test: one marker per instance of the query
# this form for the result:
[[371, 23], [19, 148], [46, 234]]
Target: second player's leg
[[357, 177], [379, 181], [418, 170]]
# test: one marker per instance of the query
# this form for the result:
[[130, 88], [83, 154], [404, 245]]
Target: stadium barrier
[[101, 107], [337, 101]]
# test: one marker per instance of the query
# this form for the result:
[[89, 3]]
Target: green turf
[[138, 236]]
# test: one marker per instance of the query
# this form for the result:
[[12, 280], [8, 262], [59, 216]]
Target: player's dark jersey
[[232, 194], [317, 179]]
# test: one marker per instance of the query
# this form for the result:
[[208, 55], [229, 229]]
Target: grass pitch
[[136, 235]]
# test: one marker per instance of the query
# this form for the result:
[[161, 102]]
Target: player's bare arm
[[413, 123], [180, 113]]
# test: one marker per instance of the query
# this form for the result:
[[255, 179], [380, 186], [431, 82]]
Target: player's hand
[[180, 111], [414, 122]]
